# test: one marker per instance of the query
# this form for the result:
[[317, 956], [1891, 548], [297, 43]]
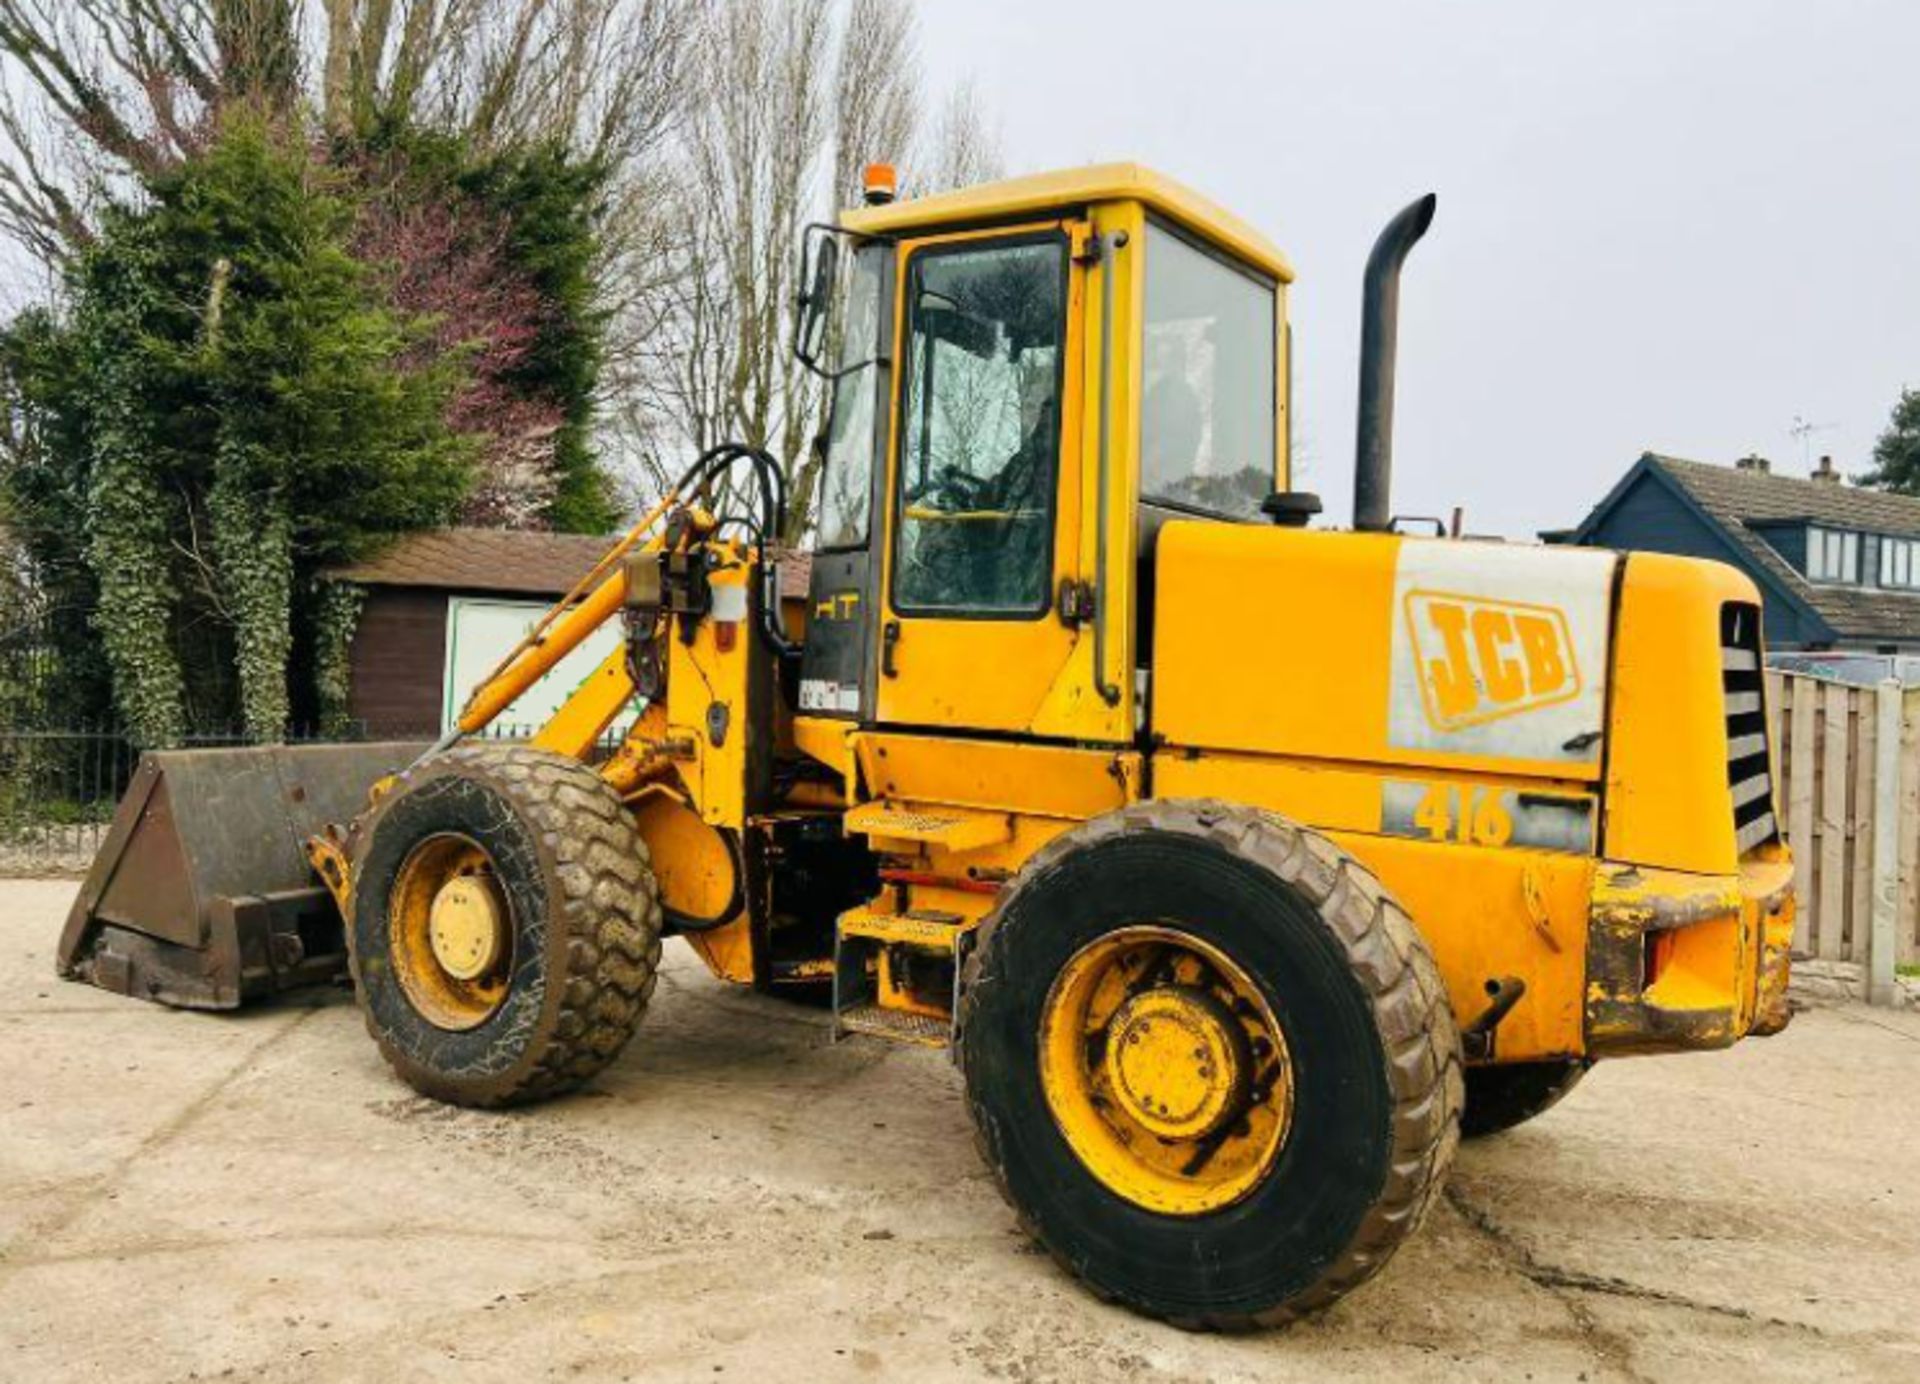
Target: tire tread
[[608, 909], [1403, 986]]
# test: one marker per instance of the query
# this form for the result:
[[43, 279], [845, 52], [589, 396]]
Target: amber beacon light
[[881, 184]]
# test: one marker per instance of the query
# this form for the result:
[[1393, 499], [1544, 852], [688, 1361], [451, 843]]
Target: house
[[443, 607], [1838, 566]]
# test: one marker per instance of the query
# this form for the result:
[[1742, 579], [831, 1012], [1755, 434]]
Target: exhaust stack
[[1379, 332]]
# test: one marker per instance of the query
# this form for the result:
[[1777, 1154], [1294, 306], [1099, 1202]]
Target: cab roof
[[1054, 192]]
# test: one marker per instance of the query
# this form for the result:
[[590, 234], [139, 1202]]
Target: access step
[[895, 975], [949, 828], [896, 1024], [932, 929]]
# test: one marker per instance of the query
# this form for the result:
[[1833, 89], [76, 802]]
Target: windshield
[[1207, 410], [846, 487]]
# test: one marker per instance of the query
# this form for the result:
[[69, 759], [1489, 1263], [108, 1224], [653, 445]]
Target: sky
[[1676, 227]]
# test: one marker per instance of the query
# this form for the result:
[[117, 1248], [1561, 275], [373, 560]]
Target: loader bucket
[[201, 895]]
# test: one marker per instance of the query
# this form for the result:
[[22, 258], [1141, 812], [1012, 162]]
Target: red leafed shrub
[[443, 259]]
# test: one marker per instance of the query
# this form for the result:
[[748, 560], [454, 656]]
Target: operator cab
[[1029, 379]]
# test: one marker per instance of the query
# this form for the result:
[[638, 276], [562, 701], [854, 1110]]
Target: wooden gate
[[1827, 757]]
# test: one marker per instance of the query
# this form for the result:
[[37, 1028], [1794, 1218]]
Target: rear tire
[[1367, 1031], [1498, 1098], [577, 942]]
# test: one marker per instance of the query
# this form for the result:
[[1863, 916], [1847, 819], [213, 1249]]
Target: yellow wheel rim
[[450, 933], [1165, 1070]]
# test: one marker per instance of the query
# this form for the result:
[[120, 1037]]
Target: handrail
[[1109, 692]]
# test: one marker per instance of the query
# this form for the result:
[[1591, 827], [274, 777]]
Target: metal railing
[[57, 793], [59, 787]]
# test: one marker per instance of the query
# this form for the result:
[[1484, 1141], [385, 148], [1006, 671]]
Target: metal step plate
[[901, 1027]]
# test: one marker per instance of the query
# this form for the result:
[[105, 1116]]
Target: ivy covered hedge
[[240, 385]]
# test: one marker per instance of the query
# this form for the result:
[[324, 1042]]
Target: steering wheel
[[955, 490]]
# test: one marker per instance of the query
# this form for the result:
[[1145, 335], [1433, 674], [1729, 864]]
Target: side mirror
[[819, 276]]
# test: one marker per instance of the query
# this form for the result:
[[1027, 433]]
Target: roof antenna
[[1804, 431]]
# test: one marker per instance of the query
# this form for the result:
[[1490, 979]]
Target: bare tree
[[753, 150], [793, 108], [964, 148], [96, 95], [876, 92]]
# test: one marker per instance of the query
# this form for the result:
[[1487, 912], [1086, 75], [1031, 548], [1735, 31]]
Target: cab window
[[846, 483], [980, 426], [1207, 401]]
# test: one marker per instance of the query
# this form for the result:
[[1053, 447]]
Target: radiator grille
[[1749, 767]]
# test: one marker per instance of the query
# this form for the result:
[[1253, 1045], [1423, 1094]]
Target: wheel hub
[[1174, 1063], [450, 932], [1165, 1069], [465, 928]]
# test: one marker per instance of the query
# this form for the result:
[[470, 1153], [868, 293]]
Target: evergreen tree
[[1896, 456], [238, 410]]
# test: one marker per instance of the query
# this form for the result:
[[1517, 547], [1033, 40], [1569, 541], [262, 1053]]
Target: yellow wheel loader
[[1242, 866]]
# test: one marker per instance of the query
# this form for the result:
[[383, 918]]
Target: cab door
[[984, 496]]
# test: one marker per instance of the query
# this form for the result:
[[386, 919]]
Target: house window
[[1833, 556], [1900, 563]]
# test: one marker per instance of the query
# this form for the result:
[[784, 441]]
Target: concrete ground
[[254, 1197]]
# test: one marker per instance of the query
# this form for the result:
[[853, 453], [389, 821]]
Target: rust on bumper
[[1681, 961]]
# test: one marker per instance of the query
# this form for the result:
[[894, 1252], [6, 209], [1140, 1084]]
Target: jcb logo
[[1480, 660]]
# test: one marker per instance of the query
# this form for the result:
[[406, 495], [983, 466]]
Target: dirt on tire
[[1411, 1012], [591, 956]]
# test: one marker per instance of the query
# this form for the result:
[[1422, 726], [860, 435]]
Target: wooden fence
[[1826, 742]]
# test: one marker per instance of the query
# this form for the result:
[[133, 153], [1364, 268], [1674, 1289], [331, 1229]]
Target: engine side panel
[[1530, 748], [1668, 803], [1382, 649]]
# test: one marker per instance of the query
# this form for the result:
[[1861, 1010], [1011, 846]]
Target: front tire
[[1246, 920], [506, 931]]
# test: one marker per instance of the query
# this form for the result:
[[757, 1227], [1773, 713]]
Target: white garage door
[[479, 635]]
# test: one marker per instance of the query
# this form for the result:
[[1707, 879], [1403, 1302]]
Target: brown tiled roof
[[533, 564], [1759, 496], [518, 561], [1739, 500]]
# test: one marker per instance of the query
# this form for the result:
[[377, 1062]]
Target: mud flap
[[202, 896]]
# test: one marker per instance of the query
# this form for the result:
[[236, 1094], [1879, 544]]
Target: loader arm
[[665, 567], [600, 595], [204, 894], [572, 730]]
